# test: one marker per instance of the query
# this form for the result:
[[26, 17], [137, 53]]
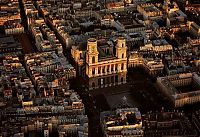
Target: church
[[102, 62]]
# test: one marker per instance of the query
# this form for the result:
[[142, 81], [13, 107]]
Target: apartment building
[[122, 122], [181, 89]]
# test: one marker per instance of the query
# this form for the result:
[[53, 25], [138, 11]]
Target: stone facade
[[102, 66]]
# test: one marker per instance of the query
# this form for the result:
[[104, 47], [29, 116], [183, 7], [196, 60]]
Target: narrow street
[[144, 92], [26, 42], [91, 110], [25, 38]]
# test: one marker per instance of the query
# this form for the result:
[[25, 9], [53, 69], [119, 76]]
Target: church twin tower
[[92, 51]]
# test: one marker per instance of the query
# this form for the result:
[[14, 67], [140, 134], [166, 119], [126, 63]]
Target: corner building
[[105, 64]]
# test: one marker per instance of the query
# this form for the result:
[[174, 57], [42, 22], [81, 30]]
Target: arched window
[[93, 59], [122, 55]]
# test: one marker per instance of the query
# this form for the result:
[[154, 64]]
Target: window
[[116, 78], [99, 70], [122, 44], [116, 67], [122, 55], [93, 71], [108, 52], [122, 66], [112, 79], [112, 68], [93, 59], [93, 85], [122, 80], [81, 56], [108, 67], [99, 82], [108, 80], [103, 70]]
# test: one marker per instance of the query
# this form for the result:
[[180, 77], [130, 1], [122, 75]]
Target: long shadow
[[144, 92]]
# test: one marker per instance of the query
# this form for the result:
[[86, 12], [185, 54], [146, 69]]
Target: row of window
[[14, 30], [10, 49], [93, 58], [190, 100], [104, 69]]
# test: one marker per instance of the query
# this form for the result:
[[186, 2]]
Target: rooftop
[[191, 88], [122, 116]]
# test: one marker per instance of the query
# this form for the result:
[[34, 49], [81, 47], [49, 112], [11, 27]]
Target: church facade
[[103, 62]]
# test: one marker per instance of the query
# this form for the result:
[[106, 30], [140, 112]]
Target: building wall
[[187, 100], [195, 29], [152, 67], [148, 14], [14, 30]]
